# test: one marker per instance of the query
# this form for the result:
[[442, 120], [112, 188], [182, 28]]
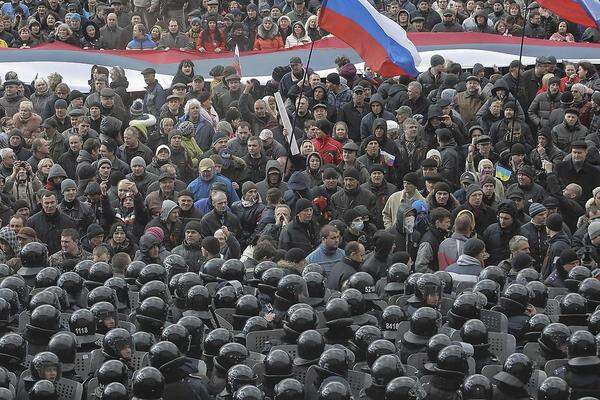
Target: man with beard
[[327, 254], [352, 196], [470, 101]]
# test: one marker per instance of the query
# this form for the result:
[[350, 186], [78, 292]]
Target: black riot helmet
[[315, 284], [423, 325], [477, 387], [143, 341], [538, 293], [292, 288], [364, 283], [41, 390], [581, 344], [112, 371], [334, 390], [18, 285], [475, 333], [13, 348], [164, 354], [535, 326], [185, 282], [115, 391], [233, 270], [6, 315], [44, 297], [153, 312], [310, 347], [451, 360], [527, 275], [447, 281], [34, 255], [435, 344], [429, 290], [12, 298], [45, 365], [229, 355], [151, 272], [133, 271], [553, 388], [337, 313], [554, 339], [211, 270], [577, 275], [119, 285], [45, 318], [518, 366], [334, 360], [379, 348], [198, 298], [117, 344], [467, 305], [175, 264], [262, 267], [102, 293], [240, 375], [411, 283], [289, 389], [5, 271], [246, 306], [155, 289], [494, 273], [82, 268], [64, 345], [594, 322], [99, 273], [385, 368], [390, 321], [249, 392], [490, 289], [397, 274], [314, 267], [253, 324], [573, 304], [300, 320], [195, 327], [278, 364], [226, 297], [147, 384], [106, 316], [178, 335], [590, 290], [47, 277], [70, 282], [363, 337], [515, 296], [403, 387], [215, 339], [83, 324], [355, 300]]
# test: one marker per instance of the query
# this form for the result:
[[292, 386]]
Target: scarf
[[211, 117]]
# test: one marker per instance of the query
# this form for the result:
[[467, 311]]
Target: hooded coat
[[173, 231], [496, 238], [268, 40], [263, 186], [366, 124], [388, 149], [147, 241], [376, 263]]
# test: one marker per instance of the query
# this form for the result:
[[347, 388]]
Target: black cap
[[148, 71], [295, 60]]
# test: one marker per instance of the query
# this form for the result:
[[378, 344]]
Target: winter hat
[[377, 167], [527, 170], [473, 247], [161, 147], [295, 255], [67, 184], [555, 222], [156, 232], [508, 207], [567, 256], [225, 127], [472, 189], [433, 153], [193, 225], [137, 160], [352, 173], [103, 161], [536, 208], [420, 206], [325, 126], [302, 204], [550, 202], [20, 204], [217, 137], [137, 108], [467, 177], [483, 163], [333, 78], [60, 104], [247, 186], [94, 230], [441, 187], [86, 172], [567, 98], [92, 188], [350, 215], [330, 173], [411, 177], [186, 128], [594, 230], [521, 261]]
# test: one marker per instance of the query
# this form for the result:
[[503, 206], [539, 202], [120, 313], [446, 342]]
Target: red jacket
[[268, 44], [329, 149], [212, 43]]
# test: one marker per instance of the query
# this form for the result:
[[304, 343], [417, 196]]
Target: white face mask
[[409, 224]]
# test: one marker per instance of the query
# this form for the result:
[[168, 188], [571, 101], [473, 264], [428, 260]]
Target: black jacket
[[340, 272], [300, 235], [49, 227], [588, 177], [212, 221]]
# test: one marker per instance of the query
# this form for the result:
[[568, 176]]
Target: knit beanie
[[471, 189], [554, 222], [473, 247], [247, 186], [156, 232], [352, 173], [137, 160], [193, 225], [535, 209], [594, 230], [67, 184], [302, 204]]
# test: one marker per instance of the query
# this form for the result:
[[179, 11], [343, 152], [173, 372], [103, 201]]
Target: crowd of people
[[428, 238], [215, 26]]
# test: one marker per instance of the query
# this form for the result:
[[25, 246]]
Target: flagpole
[[519, 73], [291, 134]]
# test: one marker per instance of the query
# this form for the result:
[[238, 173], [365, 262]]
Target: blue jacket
[[144, 44], [201, 188], [327, 261], [204, 133]]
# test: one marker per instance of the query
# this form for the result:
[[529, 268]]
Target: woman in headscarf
[[90, 36], [298, 36]]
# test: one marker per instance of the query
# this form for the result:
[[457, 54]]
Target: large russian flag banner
[[583, 12], [381, 42]]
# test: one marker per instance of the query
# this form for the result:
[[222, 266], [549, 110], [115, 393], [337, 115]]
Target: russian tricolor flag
[[381, 42], [583, 12]]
